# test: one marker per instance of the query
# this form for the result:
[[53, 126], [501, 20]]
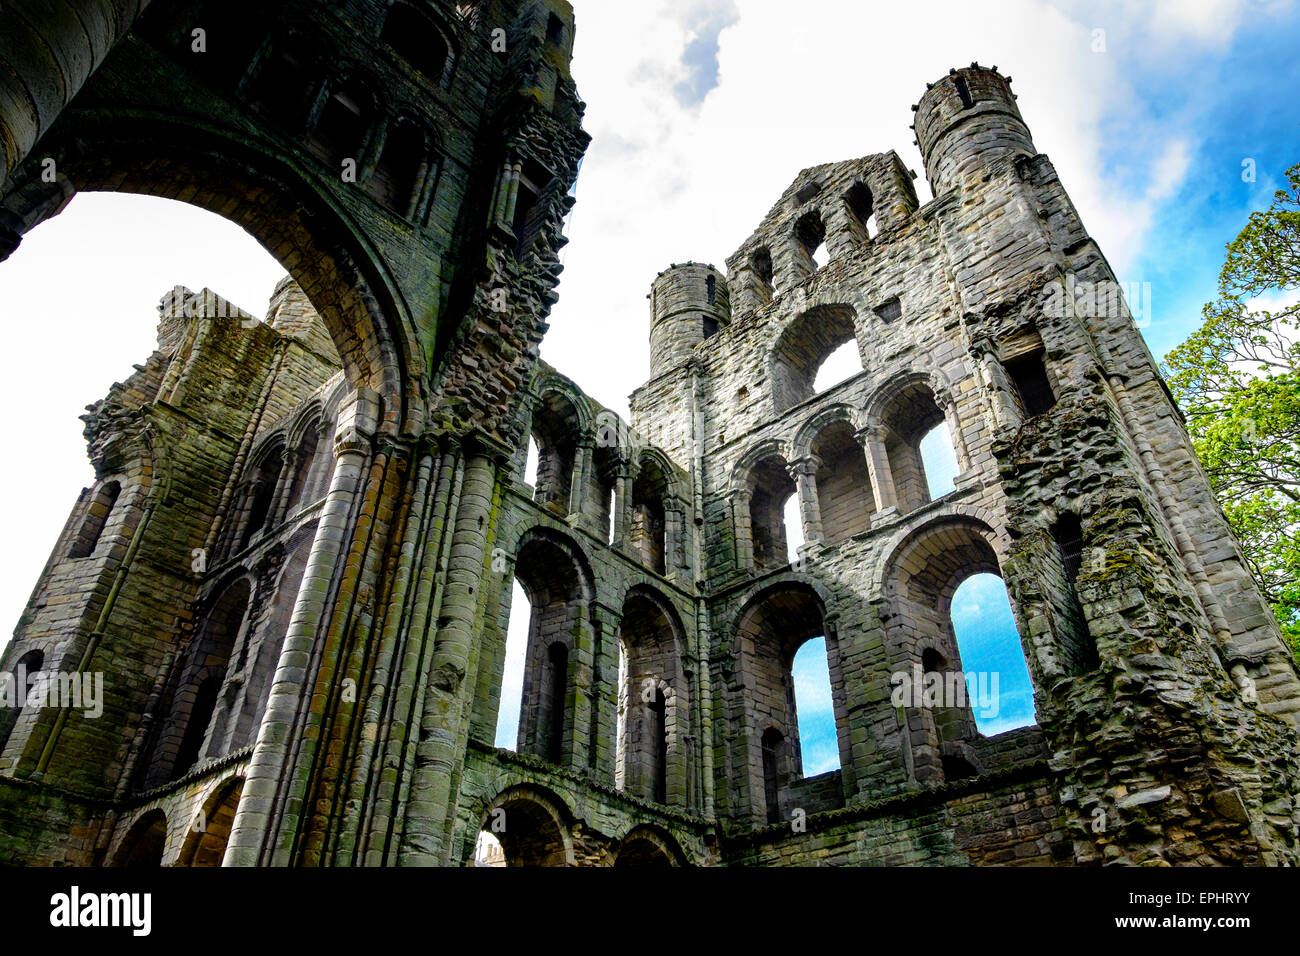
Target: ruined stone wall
[[304, 532]]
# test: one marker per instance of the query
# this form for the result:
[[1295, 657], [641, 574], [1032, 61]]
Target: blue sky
[[702, 111]]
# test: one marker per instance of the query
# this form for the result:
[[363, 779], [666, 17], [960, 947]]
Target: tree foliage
[[1237, 379]]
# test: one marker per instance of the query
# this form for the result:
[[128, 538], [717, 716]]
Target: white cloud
[[797, 85], [664, 184]]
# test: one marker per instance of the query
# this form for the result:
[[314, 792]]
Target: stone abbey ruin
[[294, 568]]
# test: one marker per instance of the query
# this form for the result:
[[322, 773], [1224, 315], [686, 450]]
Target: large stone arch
[[144, 843], [654, 749], [899, 414], [770, 626], [920, 576], [801, 348], [558, 581], [205, 843], [286, 208], [647, 845], [533, 823]]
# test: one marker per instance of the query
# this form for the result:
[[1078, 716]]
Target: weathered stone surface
[[294, 570]]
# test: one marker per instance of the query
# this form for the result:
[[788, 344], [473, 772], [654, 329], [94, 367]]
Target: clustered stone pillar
[[276, 738], [507, 195], [882, 476], [451, 672], [804, 473]]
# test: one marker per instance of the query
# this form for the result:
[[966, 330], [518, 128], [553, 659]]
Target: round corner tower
[[688, 304], [966, 121]]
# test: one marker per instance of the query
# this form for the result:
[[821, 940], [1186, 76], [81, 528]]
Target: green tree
[[1237, 379]]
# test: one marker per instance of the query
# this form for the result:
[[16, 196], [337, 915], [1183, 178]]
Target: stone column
[[994, 378], [283, 485], [625, 476], [46, 61], [882, 476], [674, 538], [804, 473], [948, 405], [276, 738], [744, 533], [578, 483]]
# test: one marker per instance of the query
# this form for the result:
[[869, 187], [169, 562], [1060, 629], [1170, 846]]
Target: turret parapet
[[689, 303], [966, 120]]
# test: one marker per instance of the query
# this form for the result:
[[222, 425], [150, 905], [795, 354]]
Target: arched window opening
[[648, 537], [530, 463], [608, 520], [342, 126], [814, 710], [907, 417], [811, 233], [488, 851], [557, 591], [304, 458], [792, 518], [20, 682], [201, 710], [770, 633], [652, 700], [840, 366], [965, 674], [1033, 389], [862, 209], [1077, 648], [844, 495], [760, 263], [802, 350], [939, 461], [101, 506], [771, 488], [998, 689], [192, 702], [415, 38], [403, 163], [512, 678], [556, 427], [530, 212], [285, 82], [264, 486], [639, 850], [143, 846]]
